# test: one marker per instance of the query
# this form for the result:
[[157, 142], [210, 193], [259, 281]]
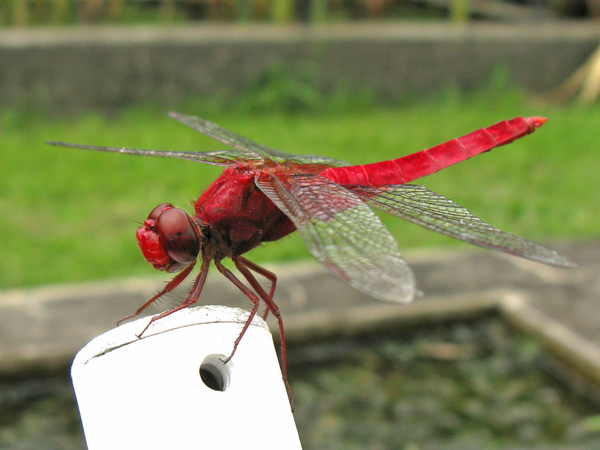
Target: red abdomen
[[409, 168]]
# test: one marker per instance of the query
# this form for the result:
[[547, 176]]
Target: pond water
[[457, 386], [451, 386]]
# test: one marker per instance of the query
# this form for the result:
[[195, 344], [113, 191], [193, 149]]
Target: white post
[[153, 392]]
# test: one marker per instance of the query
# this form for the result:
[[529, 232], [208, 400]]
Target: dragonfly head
[[169, 239]]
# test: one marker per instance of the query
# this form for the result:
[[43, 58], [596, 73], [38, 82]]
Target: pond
[[446, 386], [476, 385]]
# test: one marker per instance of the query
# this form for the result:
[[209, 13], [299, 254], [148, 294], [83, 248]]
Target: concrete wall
[[70, 70]]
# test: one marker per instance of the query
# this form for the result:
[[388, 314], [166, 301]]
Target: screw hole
[[214, 373]]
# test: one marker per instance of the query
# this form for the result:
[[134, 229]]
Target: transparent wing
[[218, 158], [252, 150], [343, 233], [423, 207]]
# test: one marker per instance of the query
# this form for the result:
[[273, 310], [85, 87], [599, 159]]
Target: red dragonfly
[[265, 194]]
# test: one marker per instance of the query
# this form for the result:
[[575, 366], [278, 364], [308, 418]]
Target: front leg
[[168, 288], [191, 298]]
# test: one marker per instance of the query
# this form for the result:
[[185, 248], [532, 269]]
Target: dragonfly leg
[[191, 298], [265, 273], [251, 295], [168, 288], [241, 264], [266, 313]]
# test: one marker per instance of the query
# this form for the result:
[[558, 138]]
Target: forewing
[[428, 209], [343, 233], [217, 158], [252, 150]]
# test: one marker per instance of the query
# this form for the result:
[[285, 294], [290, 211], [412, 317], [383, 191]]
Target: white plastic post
[[149, 394]]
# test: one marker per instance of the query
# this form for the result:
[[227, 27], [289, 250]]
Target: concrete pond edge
[[42, 328]]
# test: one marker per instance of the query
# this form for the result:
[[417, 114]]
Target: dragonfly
[[265, 194]]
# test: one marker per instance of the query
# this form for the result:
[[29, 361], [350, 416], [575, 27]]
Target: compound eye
[[156, 212], [177, 234]]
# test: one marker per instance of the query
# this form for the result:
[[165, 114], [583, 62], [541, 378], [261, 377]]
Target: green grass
[[70, 215]]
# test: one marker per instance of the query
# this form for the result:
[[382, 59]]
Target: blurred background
[[61, 12], [362, 81]]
